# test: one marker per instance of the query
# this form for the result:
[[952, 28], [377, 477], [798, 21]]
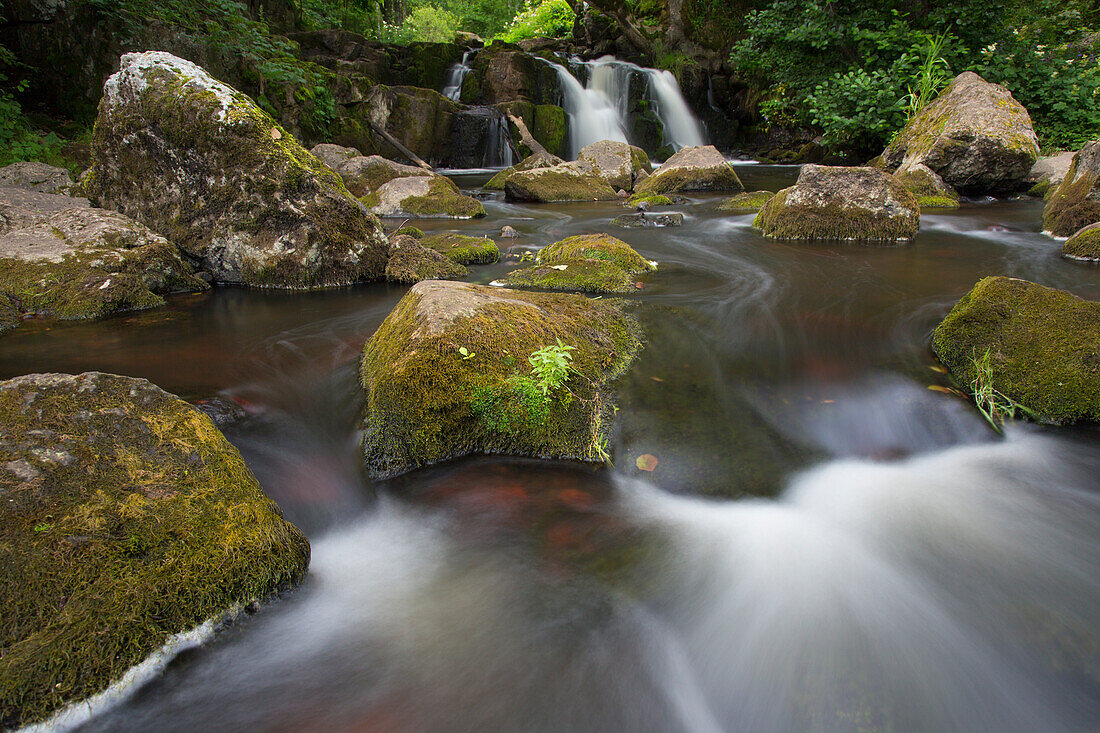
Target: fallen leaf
[[827, 402], [657, 379], [275, 134], [646, 462]]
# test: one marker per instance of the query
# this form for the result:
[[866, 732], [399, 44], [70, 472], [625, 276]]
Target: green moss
[[496, 183], [639, 160], [410, 232], [72, 289], [549, 185], [602, 247], [443, 199], [751, 201], [1043, 345], [9, 314], [410, 262], [717, 178], [549, 128], [576, 276], [463, 249], [782, 221], [132, 519], [366, 179], [421, 393], [1084, 245], [651, 199], [1074, 204], [929, 192]]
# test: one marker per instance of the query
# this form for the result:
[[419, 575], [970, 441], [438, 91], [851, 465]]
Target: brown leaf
[[646, 462]]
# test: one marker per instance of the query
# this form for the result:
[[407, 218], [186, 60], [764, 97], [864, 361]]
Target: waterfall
[[498, 144], [601, 108], [452, 86]]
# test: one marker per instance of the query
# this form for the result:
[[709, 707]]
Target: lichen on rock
[[127, 517], [1043, 344], [200, 163], [830, 202], [427, 401], [697, 168], [38, 177], [1075, 203]]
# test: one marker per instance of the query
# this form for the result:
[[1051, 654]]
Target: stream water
[[825, 544]]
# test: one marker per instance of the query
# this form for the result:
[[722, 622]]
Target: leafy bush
[[857, 110], [551, 18]]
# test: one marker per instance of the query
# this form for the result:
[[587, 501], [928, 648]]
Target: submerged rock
[[447, 375], [588, 263], [974, 135], [929, 189], [463, 249], [1084, 244], [410, 262], [616, 162], [34, 176], [748, 201], [127, 517], [1043, 346], [642, 220], [841, 203], [200, 163], [575, 181], [698, 168], [60, 257], [1075, 203]]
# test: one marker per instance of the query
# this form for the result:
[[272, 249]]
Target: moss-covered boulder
[[577, 181], [1048, 172], [974, 135], [744, 202], [830, 202], [1084, 244], [422, 197], [930, 190], [536, 160], [587, 263], [127, 518], [447, 374], [616, 162], [200, 163], [463, 249], [697, 168], [334, 155], [410, 262], [60, 257], [1043, 346], [34, 176], [1075, 203], [364, 175]]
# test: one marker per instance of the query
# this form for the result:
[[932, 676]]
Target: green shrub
[[551, 18]]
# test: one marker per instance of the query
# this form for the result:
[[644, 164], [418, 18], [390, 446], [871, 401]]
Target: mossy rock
[[38, 177], [410, 232], [427, 401], [616, 162], [841, 203], [531, 162], [127, 518], [974, 135], [601, 247], [423, 197], [588, 263], [559, 183], [748, 201], [10, 316], [929, 189], [410, 262], [366, 174], [550, 127], [463, 249], [203, 165], [1075, 203], [1084, 245], [1043, 344], [653, 199], [698, 168]]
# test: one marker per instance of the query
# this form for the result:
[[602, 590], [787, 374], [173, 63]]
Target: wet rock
[[464, 249], [60, 257], [588, 263], [1043, 346], [334, 155], [698, 168], [508, 232], [974, 135], [37, 177], [1084, 244], [127, 517], [1048, 172], [199, 162], [841, 203], [642, 220], [410, 262], [392, 189], [1075, 203], [616, 162], [531, 162], [575, 181], [470, 40], [929, 189], [427, 401], [749, 201]]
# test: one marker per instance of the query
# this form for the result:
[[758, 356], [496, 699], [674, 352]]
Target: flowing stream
[[825, 544]]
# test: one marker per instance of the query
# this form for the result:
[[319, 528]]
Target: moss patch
[[463, 249], [651, 199], [1044, 346], [426, 403], [127, 518], [1075, 203], [749, 201], [410, 262], [557, 184], [715, 178], [410, 232], [929, 190], [588, 263], [443, 199], [1084, 245], [496, 183], [72, 289], [601, 247]]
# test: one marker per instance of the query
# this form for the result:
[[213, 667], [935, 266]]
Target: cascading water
[[591, 115], [498, 144], [452, 86]]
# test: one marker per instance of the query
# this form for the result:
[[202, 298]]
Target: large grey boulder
[[576, 181], [1048, 172], [830, 202], [616, 162], [696, 168], [200, 163], [1075, 203], [35, 176], [535, 160], [974, 135]]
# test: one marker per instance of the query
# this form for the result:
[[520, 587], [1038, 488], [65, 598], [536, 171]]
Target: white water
[[452, 86]]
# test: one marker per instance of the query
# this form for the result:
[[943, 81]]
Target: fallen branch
[[401, 148]]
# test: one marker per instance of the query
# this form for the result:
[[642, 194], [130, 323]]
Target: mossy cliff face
[[929, 189], [588, 263], [1084, 245], [616, 162], [1075, 203], [841, 203], [1044, 346], [201, 164], [576, 181], [698, 168], [974, 135], [426, 403], [59, 257], [127, 517], [463, 249], [410, 262]]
